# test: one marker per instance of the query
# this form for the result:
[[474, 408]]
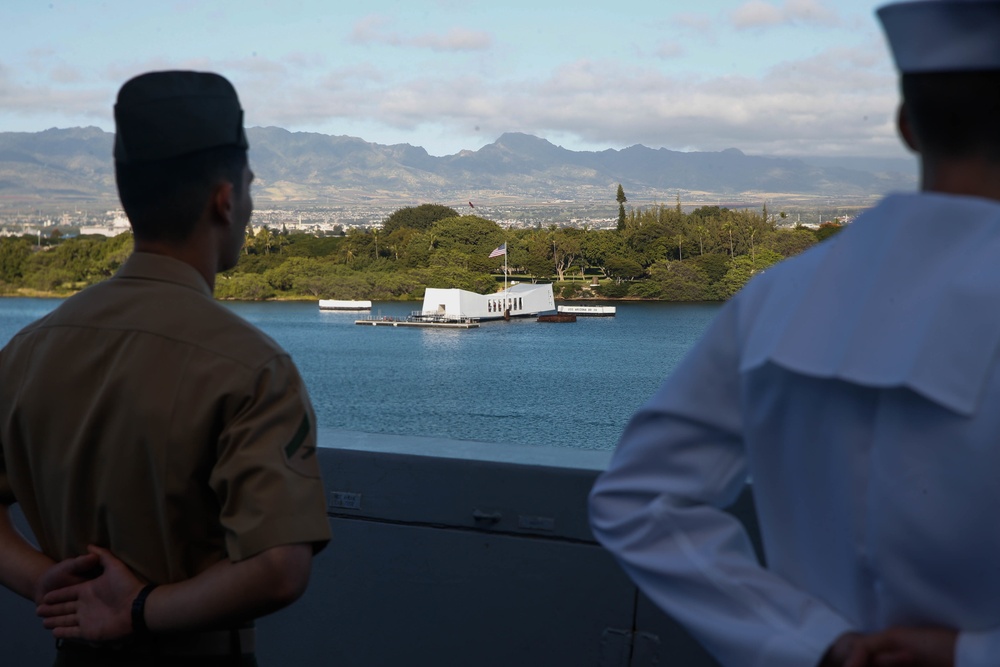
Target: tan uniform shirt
[[143, 416]]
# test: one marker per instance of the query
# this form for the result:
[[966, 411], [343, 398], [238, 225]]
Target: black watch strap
[[139, 628]]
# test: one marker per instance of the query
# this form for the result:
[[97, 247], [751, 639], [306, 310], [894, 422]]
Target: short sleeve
[[267, 476]]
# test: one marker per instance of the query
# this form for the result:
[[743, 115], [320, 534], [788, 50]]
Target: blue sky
[[775, 77]]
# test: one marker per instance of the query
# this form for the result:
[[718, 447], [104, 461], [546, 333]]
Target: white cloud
[[690, 21], [66, 74], [761, 14], [305, 60], [812, 12], [370, 29], [757, 14], [376, 29], [668, 50], [840, 102], [89, 102], [456, 39]]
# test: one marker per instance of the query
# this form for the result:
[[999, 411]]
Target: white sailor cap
[[943, 35]]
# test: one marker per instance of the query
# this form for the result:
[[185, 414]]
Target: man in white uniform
[[858, 385]]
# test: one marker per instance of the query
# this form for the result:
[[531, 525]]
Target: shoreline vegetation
[[656, 253]]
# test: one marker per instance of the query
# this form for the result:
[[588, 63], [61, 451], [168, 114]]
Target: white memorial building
[[518, 300]]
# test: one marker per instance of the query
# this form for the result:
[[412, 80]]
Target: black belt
[[238, 641]]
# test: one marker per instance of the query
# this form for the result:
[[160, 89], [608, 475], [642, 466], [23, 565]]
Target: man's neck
[[974, 177], [193, 254]]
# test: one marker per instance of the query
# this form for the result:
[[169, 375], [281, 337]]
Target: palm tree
[[727, 226], [702, 230], [264, 239]]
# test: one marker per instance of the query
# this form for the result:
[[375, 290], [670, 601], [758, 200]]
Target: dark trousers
[[82, 656]]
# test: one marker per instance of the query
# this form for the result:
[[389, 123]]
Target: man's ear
[[906, 129], [222, 202]]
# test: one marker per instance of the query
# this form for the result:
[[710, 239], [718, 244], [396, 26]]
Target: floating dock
[[423, 323]]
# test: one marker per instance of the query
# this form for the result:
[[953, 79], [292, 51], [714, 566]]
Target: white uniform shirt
[[858, 385]]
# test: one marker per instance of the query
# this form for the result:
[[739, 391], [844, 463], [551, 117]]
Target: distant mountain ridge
[[75, 164]]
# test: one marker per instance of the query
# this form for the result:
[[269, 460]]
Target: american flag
[[502, 250]]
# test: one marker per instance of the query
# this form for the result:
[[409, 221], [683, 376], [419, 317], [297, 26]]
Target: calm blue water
[[567, 385]]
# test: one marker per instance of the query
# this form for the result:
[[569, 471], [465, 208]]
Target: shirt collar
[[905, 296], [150, 266]]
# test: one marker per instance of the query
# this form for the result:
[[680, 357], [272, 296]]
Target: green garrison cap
[[162, 115]]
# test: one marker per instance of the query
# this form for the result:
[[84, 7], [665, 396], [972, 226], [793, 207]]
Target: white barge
[[589, 311], [334, 304]]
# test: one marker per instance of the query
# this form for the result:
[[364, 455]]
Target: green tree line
[[658, 252]]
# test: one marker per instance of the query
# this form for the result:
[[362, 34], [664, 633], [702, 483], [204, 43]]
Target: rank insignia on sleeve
[[300, 450]]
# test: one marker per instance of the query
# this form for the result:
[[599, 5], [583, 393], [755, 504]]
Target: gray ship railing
[[450, 553]]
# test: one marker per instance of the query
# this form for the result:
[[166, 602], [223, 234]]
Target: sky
[[768, 77]]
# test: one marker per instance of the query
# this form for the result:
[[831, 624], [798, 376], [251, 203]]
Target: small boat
[[558, 317], [334, 304], [589, 311]]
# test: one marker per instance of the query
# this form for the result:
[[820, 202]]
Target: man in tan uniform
[[150, 435]]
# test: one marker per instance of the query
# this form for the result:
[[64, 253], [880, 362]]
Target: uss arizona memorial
[[518, 300]]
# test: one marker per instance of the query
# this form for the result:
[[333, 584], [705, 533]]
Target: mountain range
[[75, 165]]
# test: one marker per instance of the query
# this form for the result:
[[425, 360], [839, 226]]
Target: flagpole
[[505, 249], [502, 250]]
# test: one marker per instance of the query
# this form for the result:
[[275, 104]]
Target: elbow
[[289, 588], [618, 515], [288, 568], [598, 513]]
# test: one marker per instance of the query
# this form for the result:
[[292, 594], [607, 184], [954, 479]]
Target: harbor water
[[521, 382]]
